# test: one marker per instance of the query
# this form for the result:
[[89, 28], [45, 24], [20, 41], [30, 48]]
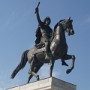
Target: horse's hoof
[[50, 75], [64, 63], [38, 78], [13, 75], [27, 82], [68, 71]]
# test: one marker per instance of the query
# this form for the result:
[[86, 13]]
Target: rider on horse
[[44, 33]]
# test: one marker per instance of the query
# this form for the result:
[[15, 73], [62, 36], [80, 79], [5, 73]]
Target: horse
[[36, 56]]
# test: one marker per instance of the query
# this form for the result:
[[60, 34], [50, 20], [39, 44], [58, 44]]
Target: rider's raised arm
[[38, 16]]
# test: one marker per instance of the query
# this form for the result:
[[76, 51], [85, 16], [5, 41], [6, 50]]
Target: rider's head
[[47, 20]]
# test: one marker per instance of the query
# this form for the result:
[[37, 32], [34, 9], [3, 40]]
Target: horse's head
[[67, 26]]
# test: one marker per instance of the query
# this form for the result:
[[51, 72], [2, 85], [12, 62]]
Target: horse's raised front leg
[[67, 57]]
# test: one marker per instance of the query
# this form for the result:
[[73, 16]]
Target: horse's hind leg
[[35, 70], [31, 74], [34, 67], [67, 57], [29, 78]]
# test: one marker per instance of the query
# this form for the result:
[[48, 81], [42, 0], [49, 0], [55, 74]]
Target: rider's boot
[[49, 54]]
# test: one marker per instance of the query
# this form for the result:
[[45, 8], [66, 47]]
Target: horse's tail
[[21, 65]]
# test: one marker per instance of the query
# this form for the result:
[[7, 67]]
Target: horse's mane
[[58, 23], [55, 27]]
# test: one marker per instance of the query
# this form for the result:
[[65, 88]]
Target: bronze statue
[[44, 35], [59, 48]]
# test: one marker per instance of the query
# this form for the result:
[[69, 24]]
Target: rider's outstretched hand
[[36, 9]]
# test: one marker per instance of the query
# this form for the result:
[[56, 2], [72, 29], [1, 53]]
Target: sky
[[18, 24]]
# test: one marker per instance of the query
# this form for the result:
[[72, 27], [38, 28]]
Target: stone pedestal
[[47, 84]]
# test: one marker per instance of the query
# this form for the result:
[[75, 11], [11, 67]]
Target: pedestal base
[[47, 84]]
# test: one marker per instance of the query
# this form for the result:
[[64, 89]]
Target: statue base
[[46, 84]]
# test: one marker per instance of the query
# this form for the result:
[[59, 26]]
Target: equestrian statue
[[49, 46]]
